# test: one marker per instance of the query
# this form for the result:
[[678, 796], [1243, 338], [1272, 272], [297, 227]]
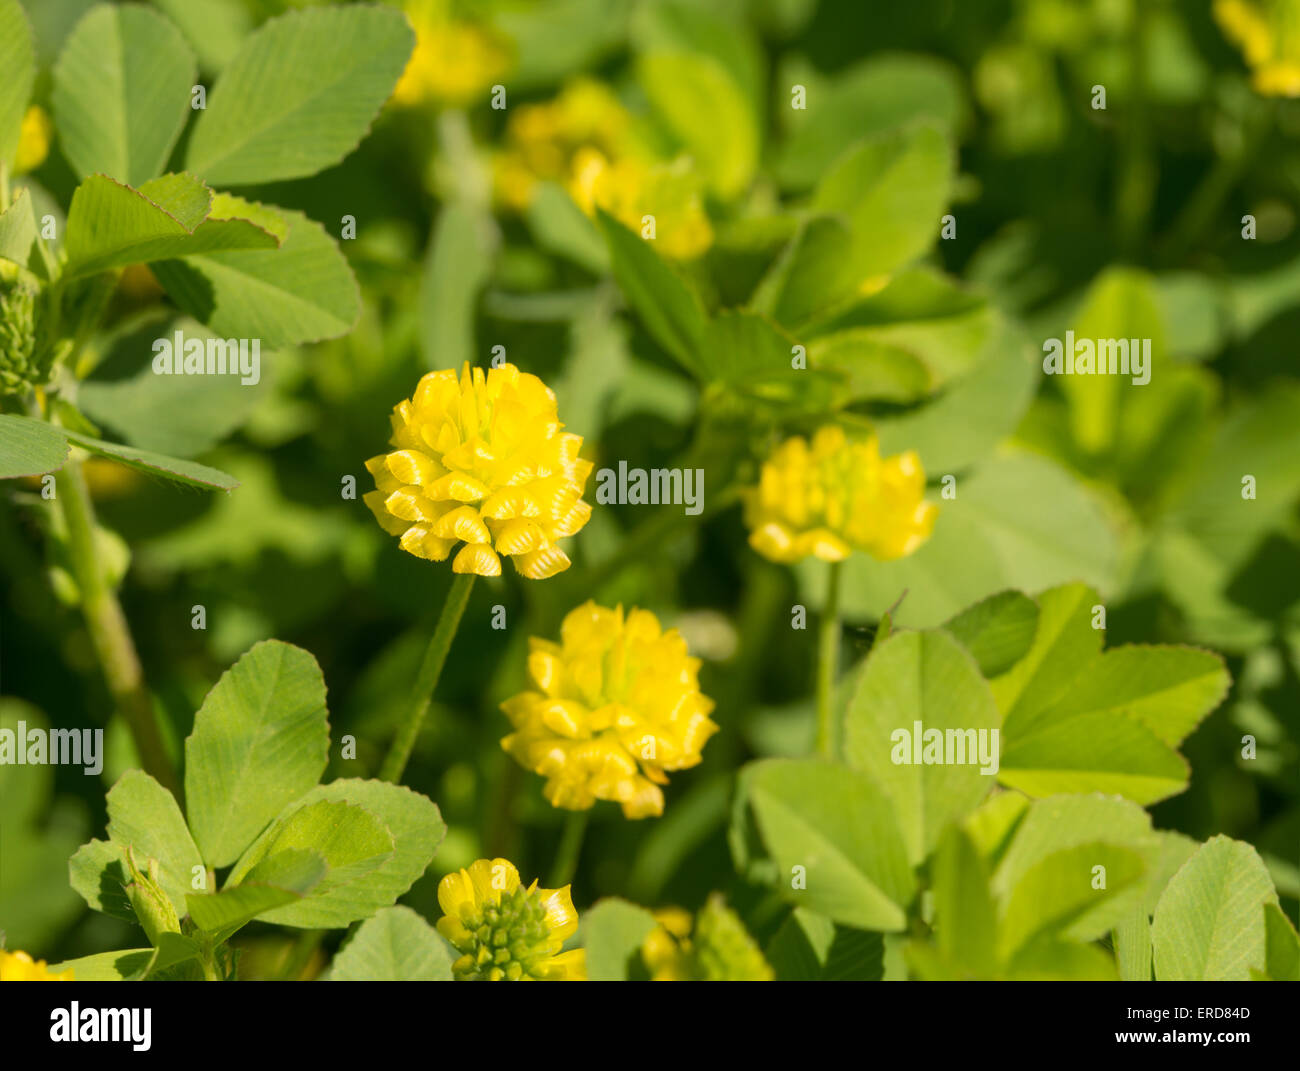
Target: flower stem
[[435, 656], [648, 537], [566, 856], [828, 659], [109, 632], [466, 177], [1203, 206], [1137, 173]]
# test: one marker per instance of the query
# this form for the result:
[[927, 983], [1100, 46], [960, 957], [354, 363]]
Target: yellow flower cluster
[[482, 460], [506, 932], [719, 950], [33, 140], [20, 967], [584, 140], [617, 703], [454, 61], [542, 139], [1268, 33], [834, 495], [631, 190]]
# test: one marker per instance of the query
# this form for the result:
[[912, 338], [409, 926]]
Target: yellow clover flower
[[482, 460], [617, 703], [20, 967], [719, 950], [834, 495], [453, 61], [666, 950], [33, 140], [506, 932], [630, 189], [542, 139], [585, 140], [1268, 33]]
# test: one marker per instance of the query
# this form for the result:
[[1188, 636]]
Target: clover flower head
[[1268, 34], [714, 947], [831, 496], [504, 931], [542, 139], [615, 704], [453, 61], [23, 362], [584, 139], [482, 460], [20, 967], [630, 189]]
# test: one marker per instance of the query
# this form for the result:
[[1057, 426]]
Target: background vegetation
[[1125, 221]]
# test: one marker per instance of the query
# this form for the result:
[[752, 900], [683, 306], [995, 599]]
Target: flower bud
[[153, 908], [724, 950], [505, 931], [717, 948], [18, 366]]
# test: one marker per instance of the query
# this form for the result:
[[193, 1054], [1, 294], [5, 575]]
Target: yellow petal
[[520, 536], [458, 487], [542, 563], [567, 966], [410, 505], [545, 668], [563, 716], [20, 967], [33, 140], [418, 540], [462, 524], [573, 521], [477, 558], [676, 920], [390, 524], [510, 502], [464, 892], [561, 916], [413, 467]]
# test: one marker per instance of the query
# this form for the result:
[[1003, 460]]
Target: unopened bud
[[152, 906]]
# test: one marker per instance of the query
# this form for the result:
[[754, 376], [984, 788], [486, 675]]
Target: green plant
[[293, 852], [298, 97], [747, 330]]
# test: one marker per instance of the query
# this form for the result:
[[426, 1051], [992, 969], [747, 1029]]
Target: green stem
[[764, 604], [566, 856], [466, 177], [828, 659], [108, 629], [1202, 208], [499, 838], [300, 955], [636, 546], [1137, 174], [209, 964], [648, 538], [427, 679], [643, 540]]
